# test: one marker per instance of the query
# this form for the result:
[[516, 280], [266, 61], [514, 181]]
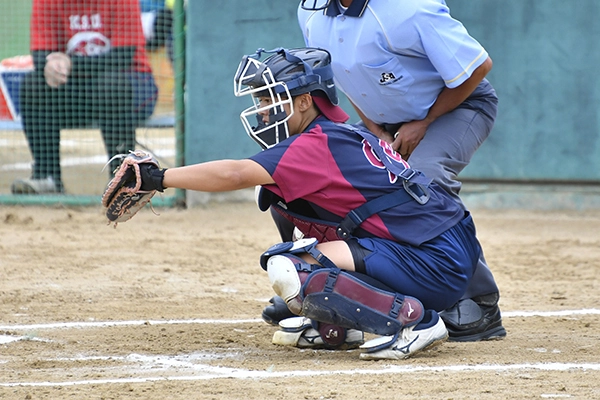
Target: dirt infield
[[167, 307]]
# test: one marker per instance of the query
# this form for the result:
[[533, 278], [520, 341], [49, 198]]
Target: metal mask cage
[[256, 79], [316, 4]]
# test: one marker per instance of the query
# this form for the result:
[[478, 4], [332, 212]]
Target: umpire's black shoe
[[472, 320], [277, 311]]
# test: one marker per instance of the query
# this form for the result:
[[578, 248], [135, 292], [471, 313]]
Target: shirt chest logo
[[85, 22], [388, 77]]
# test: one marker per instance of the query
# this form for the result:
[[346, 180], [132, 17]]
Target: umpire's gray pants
[[444, 152]]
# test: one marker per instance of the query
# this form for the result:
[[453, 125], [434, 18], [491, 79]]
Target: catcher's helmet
[[316, 4], [281, 76]]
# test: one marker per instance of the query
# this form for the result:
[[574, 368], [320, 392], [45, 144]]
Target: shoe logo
[[331, 334], [406, 349], [410, 310]]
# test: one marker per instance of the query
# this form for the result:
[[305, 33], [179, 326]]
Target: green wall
[[545, 60], [218, 35], [14, 27]]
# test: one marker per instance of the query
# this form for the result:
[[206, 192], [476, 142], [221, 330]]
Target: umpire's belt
[[392, 128]]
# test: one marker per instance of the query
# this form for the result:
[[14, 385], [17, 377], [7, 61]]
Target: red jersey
[[88, 27]]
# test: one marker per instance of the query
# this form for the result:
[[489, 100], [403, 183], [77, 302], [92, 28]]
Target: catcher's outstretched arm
[[217, 176], [139, 177]]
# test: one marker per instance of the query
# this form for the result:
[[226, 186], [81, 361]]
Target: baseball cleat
[[427, 334], [35, 186], [299, 332], [276, 311], [471, 321]]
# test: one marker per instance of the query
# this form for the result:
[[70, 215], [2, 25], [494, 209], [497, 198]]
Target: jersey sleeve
[[453, 52], [303, 17], [299, 166]]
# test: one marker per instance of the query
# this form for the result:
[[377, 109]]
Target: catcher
[[384, 249]]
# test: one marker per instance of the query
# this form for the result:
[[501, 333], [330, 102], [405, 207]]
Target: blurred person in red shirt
[[90, 68]]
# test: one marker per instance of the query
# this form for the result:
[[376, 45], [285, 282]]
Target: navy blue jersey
[[335, 170]]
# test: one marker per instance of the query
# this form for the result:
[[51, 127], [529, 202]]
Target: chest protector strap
[[325, 231]]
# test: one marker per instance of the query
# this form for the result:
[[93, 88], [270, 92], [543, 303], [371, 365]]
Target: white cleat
[[34, 186], [299, 332], [427, 334]]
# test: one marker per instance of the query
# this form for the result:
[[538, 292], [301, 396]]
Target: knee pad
[[284, 274], [287, 270]]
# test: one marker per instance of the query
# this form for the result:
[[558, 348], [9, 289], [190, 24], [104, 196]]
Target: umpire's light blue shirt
[[392, 58]]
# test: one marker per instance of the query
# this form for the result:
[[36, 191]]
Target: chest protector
[[347, 227], [413, 186]]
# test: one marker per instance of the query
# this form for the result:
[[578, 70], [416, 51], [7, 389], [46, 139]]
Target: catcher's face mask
[[315, 5], [269, 97]]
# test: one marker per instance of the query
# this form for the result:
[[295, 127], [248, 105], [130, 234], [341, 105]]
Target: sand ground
[[168, 307]]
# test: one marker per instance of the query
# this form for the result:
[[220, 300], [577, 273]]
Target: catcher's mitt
[[135, 183]]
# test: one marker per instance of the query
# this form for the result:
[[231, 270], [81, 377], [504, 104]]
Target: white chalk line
[[106, 324], [201, 371], [229, 373], [76, 161], [562, 313]]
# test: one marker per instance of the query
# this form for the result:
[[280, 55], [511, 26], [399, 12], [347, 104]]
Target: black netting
[[79, 84]]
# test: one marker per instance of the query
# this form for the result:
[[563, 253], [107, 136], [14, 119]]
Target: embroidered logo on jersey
[[392, 155], [88, 44], [388, 77], [85, 22]]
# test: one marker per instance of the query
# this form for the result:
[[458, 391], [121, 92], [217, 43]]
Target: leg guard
[[336, 297], [332, 296]]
